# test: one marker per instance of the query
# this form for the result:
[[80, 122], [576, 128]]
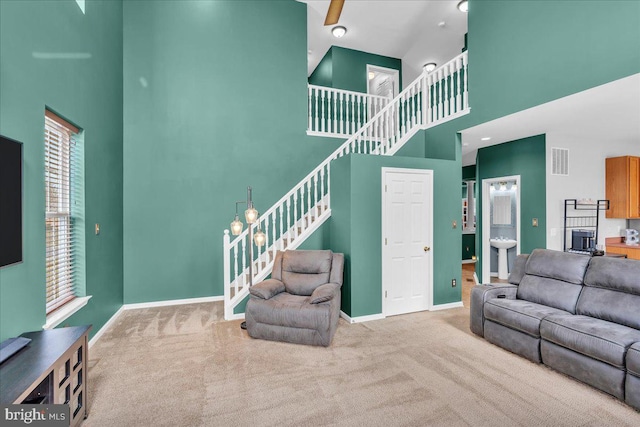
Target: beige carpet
[[183, 366]]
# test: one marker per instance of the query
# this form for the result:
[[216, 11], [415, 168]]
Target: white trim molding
[[172, 302], [360, 319], [64, 312], [106, 326], [447, 306]]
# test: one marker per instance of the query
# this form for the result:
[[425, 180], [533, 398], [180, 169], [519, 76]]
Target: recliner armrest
[[479, 295], [324, 293], [267, 288]]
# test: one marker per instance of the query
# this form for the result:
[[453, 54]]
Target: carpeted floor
[[183, 366]]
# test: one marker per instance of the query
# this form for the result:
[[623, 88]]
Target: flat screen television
[[10, 201]]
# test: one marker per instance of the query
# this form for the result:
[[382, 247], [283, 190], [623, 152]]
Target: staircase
[[428, 101]]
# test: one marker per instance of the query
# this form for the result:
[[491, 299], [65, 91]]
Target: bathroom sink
[[502, 243]]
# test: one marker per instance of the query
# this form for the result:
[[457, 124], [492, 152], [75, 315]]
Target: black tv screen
[[10, 201]]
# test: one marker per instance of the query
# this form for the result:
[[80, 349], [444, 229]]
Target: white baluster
[[281, 209], [227, 267], [244, 259], [440, 95], [459, 88], [259, 258], [387, 134], [450, 94], [322, 188], [309, 124], [295, 214], [316, 189], [340, 110], [316, 114], [465, 93], [308, 201], [351, 114], [235, 269], [289, 238], [274, 235], [322, 110]]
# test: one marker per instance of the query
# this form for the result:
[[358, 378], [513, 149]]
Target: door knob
[[427, 248]]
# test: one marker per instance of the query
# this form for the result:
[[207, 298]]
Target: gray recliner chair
[[301, 302]]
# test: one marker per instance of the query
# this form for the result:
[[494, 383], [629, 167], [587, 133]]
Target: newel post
[[226, 254]]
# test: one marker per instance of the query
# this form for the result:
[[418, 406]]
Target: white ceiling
[[405, 29], [606, 113]]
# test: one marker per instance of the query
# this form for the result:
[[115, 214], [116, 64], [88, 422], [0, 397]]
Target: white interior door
[[407, 224]]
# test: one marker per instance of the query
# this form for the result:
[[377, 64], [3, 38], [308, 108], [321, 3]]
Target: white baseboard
[[172, 302], [492, 274], [106, 326], [361, 319], [475, 277], [447, 306]]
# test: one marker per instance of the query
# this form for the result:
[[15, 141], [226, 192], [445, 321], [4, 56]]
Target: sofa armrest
[[324, 293], [479, 295], [267, 289]]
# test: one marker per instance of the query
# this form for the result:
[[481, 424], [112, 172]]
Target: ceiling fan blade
[[333, 14]]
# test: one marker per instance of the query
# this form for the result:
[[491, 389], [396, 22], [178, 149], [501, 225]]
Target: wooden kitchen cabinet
[[623, 186]]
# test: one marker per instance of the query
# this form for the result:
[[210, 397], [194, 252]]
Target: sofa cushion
[[553, 278], [521, 315], [596, 338], [303, 271], [612, 291], [289, 310], [633, 359]]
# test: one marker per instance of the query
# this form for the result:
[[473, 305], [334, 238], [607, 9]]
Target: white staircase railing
[[339, 113], [429, 100]]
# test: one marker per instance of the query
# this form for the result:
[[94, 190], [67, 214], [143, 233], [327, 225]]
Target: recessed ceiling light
[[465, 144], [441, 24], [371, 75], [339, 31], [486, 138], [463, 6], [429, 67]]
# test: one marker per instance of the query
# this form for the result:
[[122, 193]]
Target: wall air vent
[[559, 161]]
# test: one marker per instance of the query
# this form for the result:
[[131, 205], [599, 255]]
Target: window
[[64, 206]]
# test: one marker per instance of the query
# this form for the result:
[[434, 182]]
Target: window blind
[[60, 137]]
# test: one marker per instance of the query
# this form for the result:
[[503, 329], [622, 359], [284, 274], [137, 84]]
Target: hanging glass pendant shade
[[236, 226]]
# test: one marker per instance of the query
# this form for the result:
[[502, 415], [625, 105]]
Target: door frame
[[486, 222], [383, 231], [392, 71]]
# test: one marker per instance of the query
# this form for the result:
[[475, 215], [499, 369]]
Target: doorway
[[383, 81], [501, 215], [407, 238]]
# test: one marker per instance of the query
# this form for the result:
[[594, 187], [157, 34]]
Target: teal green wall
[[88, 92], [468, 246], [525, 53], [524, 157], [323, 74], [356, 223], [343, 68], [469, 172], [204, 121]]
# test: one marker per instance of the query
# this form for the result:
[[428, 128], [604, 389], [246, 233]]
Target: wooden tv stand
[[52, 369]]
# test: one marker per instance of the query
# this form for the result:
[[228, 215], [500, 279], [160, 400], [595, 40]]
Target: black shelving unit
[[584, 216]]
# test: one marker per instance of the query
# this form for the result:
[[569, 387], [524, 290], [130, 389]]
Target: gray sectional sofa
[[577, 314]]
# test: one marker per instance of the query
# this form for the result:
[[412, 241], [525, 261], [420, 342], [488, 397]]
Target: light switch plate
[[454, 224], [534, 222], [97, 229]]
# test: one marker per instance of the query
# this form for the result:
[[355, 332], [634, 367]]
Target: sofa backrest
[[612, 291], [517, 271], [303, 271], [553, 278]]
